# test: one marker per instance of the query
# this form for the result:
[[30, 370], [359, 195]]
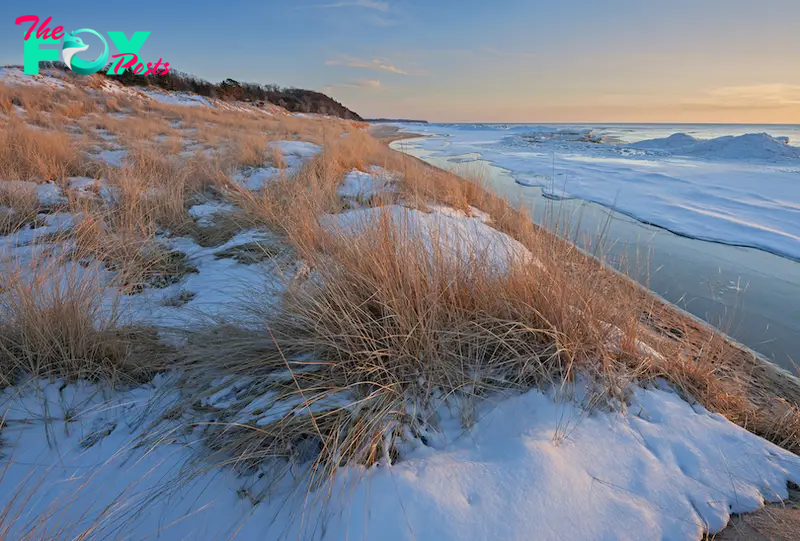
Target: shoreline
[[359, 306], [388, 134], [767, 383], [742, 290]]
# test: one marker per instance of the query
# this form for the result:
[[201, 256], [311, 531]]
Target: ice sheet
[[729, 190]]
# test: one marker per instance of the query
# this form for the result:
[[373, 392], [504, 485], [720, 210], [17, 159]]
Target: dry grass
[[18, 207], [56, 323], [150, 190], [135, 130], [394, 325], [30, 154], [250, 150]]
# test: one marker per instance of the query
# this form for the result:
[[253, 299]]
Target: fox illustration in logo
[[73, 45]]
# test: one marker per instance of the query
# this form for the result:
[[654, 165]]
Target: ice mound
[[674, 141], [751, 146]]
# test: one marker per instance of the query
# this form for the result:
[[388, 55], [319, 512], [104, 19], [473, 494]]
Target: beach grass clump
[[59, 321], [390, 326], [18, 207], [392, 323]]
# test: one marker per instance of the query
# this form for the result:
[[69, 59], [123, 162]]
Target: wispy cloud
[[373, 84], [367, 4], [376, 64], [369, 83]]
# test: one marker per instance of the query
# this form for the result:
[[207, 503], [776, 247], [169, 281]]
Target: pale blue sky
[[469, 60]]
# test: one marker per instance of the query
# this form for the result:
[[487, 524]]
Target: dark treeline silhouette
[[295, 100]]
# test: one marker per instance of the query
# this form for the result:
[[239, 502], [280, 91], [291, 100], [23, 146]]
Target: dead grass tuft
[[18, 207], [30, 154], [54, 324]]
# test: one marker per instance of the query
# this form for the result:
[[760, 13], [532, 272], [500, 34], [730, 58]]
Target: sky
[[475, 61]]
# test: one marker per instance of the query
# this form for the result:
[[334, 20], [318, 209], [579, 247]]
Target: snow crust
[[176, 98], [465, 239], [531, 464], [48, 194], [49, 78], [295, 153], [256, 179], [361, 186]]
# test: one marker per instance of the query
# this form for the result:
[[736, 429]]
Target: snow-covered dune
[[533, 466]]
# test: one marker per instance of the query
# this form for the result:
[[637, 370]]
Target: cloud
[[376, 64], [367, 4], [373, 84], [368, 83]]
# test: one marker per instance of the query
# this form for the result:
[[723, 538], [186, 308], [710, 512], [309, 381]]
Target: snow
[[176, 98], [538, 461], [458, 213], [741, 190], [531, 463], [113, 157], [16, 76], [83, 184], [49, 194], [15, 248], [463, 239], [216, 289], [205, 213], [674, 141], [362, 186], [751, 146], [219, 287], [295, 153], [256, 179]]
